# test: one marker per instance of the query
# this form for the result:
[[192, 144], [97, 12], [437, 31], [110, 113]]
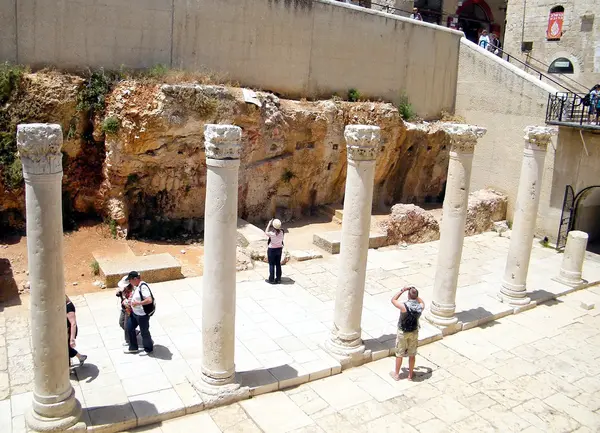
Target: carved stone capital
[[362, 142], [463, 138], [222, 141], [39, 146], [538, 137]]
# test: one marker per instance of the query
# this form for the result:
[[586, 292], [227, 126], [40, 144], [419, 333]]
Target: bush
[[10, 77], [95, 267], [92, 96], [156, 71], [112, 225], [405, 108], [353, 95], [13, 174], [110, 125], [287, 176]]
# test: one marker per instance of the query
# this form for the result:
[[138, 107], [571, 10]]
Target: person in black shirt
[[72, 333]]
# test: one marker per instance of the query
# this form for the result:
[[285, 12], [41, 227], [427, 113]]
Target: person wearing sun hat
[[274, 250], [124, 292]]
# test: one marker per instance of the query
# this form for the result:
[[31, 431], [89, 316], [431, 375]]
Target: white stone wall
[[293, 47], [582, 48], [500, 97]]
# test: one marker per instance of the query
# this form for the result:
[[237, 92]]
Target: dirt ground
[[78, 249], [93, 237]]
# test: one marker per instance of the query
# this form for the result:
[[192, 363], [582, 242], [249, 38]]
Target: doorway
[[581, 211], [473, 17]]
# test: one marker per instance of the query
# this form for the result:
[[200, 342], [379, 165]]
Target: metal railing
[[571, 109], [577, 86], [512, 59]]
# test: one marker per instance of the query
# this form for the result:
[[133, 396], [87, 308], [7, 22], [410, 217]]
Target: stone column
[[222, 145], [362, 144], [572, 263], [513, 290], [463, 139], [54, 407]]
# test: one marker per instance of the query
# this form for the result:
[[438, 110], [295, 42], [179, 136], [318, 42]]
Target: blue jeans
[[144, 323], [274, 256]]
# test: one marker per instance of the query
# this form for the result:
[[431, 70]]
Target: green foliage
[[10, 77], [545, 242], [353, 95], [156, 71], [287, 176], [13, 174], [405, 108], [112, 225], [110, 125], [509, 224], [95, 267], [92, 96]]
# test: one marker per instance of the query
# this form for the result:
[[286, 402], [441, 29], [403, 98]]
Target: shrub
[[92, 96], [353, 95], [95, 267], [10, 77], [112, 225], [110, 125], [156, 71], [405, 108], [13, 174], [287, 176]]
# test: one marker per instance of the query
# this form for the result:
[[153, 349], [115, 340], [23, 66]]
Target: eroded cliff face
[[149, 172]]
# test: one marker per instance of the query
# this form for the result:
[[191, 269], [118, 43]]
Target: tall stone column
[[362, 144], [463, 139], [222, 146], [513, 290], [54, 407], [572, 263]]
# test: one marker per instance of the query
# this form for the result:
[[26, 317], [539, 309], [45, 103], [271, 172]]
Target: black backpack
[[410, 321], [149, 309], [586, 100]]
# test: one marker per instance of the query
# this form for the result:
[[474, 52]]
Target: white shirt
[[139, 309]]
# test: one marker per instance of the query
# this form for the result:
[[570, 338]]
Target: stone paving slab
[[330, 241], [539, 386], [280, 331]]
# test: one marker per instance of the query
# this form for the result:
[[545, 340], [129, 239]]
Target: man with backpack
[[142, 308], [408, 329]]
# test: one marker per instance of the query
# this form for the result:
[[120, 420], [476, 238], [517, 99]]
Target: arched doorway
[[474, 16], [581, 211]]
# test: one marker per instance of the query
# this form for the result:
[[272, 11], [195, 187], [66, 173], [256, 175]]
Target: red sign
[[555, 24]]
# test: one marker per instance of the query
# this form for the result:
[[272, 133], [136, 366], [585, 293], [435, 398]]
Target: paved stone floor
[[538, 371], [280, 330]]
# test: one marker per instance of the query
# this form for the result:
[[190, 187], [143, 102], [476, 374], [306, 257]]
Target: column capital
[[39, 146], [362, 142], [222, 141], [538, 137], [463, 138]]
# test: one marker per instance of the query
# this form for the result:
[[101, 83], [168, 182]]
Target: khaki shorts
[[406, 343]]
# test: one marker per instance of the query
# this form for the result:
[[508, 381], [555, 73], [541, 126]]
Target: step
[[249, 233], [330, 241], [154, 268]]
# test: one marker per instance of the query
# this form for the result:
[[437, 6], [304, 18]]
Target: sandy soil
[[78, 247]]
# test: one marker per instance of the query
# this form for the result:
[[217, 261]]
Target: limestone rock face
[[411, 224], [149, 174], [486, 206]]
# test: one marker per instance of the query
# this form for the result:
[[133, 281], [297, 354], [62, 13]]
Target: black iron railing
[[571, 109]]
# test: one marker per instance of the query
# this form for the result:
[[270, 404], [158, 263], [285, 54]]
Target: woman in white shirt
[[274, 250], [484, 39]]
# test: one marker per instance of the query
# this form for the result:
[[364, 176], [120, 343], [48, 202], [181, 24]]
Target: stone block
[[157, 406], [587, 305], [330, 241], [303, 255], [154, 268], [248, 233], [289, 375], [259, 381]]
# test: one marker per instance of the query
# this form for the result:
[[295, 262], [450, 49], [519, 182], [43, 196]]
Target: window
[[561, 65], [555, 23], [587, 23]]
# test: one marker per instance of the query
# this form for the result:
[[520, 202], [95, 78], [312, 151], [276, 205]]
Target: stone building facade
[[577, 44]]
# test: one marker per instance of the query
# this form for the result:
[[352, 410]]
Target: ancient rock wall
[[147, 172]]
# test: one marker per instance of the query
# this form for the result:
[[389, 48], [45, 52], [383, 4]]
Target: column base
[[348, 354], [55, 413], [569, 278], [448, 325], [214, 395], [68, 423], [512, 294]]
